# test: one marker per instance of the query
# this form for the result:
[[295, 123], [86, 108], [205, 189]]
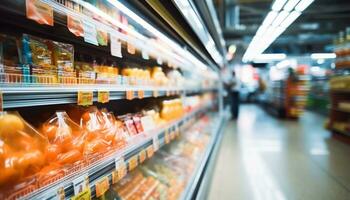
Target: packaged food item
[[37, 54], [122, 131], [85, 72], [22, 149], [63, 59], [100, 131], [137, 122], [11, 69], [66, 139], [175, 78], [171, 109], [106, 74], [129, 124], [159, 77], [111, 132]]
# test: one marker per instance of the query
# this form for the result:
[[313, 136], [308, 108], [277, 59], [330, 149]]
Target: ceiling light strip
[[283, 13]]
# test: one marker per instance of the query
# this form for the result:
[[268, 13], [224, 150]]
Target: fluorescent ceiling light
[[261, 30], [272, 56], [279, 19], [303, 5], [277, 32], [316, 56], [269, 18], [278, 5], [290, 19], [290, 5]]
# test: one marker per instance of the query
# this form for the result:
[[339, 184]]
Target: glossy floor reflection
[[264, 158]]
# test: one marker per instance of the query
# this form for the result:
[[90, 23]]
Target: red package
[[129, 123], [137, 122]]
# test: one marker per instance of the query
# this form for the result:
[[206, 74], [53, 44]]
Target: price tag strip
[[102, 186], [81, 188], [150, 151], [177, 130], [142, 156], [120, 170], [172, 134], [155, 93], [60, 193], [133, 162], [85, 98], [166, 136], [141, 94], [155, 143], [103, 96], [129, 95]]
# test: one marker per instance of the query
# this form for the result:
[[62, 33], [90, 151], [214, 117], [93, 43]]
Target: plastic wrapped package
[[122, 131], [175, 78], [10, 68], [111, 130], [22, 150], [100, 131], [129, 124], [159, 77], [37, 53], [66, 139], [138, 186], [106, 74], [63, 58], [85, 73], [137, 122]]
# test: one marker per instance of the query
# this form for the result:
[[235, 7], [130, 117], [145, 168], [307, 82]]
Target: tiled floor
[[264, 158]]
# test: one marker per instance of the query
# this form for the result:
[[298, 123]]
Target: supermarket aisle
[[262, 157]]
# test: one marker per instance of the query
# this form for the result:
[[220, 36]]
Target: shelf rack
[[105, 167], [194, 184], [24, 96]]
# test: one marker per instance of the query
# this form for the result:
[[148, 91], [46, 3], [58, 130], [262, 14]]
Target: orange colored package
[[66, 139], [21, 149], [100, 132]]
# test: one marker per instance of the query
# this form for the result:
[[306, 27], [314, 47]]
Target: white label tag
[[159, 61], [119, 162], [155, 143], [80, 184], [90, 32], [116, 47], [147, 123], [145, 55]]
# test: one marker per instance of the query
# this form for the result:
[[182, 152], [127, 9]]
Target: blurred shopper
[[234, 89], [231, 92]]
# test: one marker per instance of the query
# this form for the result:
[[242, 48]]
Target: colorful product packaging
[[37, 54]]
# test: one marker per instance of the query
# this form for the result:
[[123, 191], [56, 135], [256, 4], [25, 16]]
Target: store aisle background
[[262, 157]]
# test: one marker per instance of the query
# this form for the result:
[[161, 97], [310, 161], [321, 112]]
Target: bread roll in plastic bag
[[111, 132], [66, 139], [21, 149], [96, 127]]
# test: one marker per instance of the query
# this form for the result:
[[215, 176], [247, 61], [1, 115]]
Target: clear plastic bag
[[22, 149], [94, 123], [66, 139]]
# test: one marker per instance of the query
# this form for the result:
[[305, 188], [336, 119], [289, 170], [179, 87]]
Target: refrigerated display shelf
[[194, 184], [24, 96], [106, 166]]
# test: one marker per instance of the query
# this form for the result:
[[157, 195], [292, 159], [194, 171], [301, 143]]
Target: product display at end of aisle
[[288, 96], [340, 87]]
